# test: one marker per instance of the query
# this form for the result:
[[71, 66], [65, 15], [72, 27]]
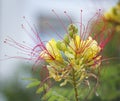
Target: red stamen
[[61, 22], [68, 17], [81, 22]]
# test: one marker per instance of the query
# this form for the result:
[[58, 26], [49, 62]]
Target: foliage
[[108, 90]]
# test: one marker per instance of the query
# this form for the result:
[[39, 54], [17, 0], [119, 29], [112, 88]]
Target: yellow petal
[[53, 50], [77, 41]]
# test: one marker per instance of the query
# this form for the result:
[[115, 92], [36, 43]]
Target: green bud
[[71, 33], [61, 46], [72, 29], [76, 30], [58, 44], [66, 39]]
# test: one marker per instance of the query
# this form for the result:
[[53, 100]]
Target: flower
[[74, 58], [80, 55], [52, 53]]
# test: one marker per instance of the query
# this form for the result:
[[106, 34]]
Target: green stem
[[75, 86]]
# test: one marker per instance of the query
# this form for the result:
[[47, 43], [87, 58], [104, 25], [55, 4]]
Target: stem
[[75, 86]]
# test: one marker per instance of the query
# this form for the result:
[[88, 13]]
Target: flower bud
[[58, 44], [66, 39], [61, 46], [72, 29], [71, 33]]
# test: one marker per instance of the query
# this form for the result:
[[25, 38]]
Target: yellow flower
[[73, 56], [80, 52], [74, 59], [52, 52], [92, 49]]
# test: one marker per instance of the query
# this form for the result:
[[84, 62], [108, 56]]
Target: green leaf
[[52, 98], [39, 90], [48, 94], [54, 93], [33, 84], [45, 86]]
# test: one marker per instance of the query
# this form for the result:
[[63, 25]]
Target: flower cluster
[[72, 54], [73, 59]]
